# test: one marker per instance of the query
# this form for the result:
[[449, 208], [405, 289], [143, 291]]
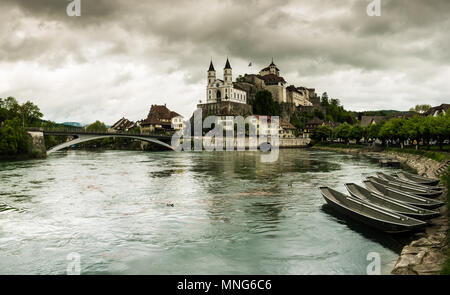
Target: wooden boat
[[407, 188], [410, 183], [401, 196], [360, 192], [368, 214], [417, 178]]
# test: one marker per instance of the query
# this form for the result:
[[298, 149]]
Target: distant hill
[[72, 124], [387, 113]]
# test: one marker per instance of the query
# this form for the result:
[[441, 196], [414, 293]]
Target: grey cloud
[[312, 41]]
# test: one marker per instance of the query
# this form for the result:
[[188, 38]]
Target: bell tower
[[227, 73], [211, 74]]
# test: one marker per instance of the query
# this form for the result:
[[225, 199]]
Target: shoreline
[[424, 254]]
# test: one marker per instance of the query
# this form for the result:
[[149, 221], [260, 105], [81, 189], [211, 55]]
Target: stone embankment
[[38, 142], [424, 255]]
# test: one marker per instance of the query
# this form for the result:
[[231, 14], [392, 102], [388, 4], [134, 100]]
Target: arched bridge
[[84, 136]]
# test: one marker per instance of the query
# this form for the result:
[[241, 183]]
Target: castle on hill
[[243, 90]]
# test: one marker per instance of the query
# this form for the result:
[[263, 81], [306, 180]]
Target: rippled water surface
[[231, 214]]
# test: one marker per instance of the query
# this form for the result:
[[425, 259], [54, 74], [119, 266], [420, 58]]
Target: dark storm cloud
[[323, 43]]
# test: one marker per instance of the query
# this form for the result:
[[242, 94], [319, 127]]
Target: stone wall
[[225, 108], [38, 142]]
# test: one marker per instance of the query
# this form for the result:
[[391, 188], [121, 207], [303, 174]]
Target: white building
[[219, 90]]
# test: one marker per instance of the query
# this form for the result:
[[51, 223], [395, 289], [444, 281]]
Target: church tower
[[211, 74], [227, 73]]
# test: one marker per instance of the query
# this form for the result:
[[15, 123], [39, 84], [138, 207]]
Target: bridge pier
[[38, 142]]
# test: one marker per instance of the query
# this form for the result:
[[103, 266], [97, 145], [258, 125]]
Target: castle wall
[[225, 108]]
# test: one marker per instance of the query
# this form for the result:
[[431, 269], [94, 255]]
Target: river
[[231, 214]]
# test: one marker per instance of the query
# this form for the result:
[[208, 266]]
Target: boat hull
[[380, 225], [418, 179], [390, 204], [408, 189], [414, 200], [380, 219]]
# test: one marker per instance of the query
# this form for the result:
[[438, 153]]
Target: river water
[[231, 214]]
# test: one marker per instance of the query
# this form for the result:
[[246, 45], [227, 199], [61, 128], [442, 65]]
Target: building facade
[[219, 90], [160, 119]]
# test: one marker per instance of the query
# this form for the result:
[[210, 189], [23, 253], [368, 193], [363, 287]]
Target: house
[[287, 129], [123, 125], [370, 120], [435, 111], [160, 119], [311, 125]]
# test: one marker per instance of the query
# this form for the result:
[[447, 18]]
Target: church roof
[[211, 67], [227, 65]]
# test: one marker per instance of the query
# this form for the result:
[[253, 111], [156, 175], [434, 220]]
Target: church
[[219, 90]]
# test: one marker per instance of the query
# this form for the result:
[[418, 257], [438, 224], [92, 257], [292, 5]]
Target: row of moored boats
[[390, 203]]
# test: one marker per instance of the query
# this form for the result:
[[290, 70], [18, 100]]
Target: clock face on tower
[[217, 85]]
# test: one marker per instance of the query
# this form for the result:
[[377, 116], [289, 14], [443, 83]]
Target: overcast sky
[[121, 56]]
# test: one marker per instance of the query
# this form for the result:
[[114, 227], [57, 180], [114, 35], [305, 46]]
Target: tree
[[14, 140], [420, 108], [322, 133], [343, 132], [31, 114], [324, 100], [97, 126], [265, 105], [356, 132]]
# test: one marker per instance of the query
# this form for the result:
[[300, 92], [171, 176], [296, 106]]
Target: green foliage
[[373, 130], [420, 108], [343, 131], [322, 133], [14, 140], [36, 153], [97, 126], [265, 105], [356, 132]]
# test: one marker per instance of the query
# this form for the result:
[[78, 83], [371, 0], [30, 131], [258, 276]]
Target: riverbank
[[426, 253]]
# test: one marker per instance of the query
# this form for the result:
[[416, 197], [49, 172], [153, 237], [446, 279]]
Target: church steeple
[[211, 73], [272, 64], [227, 73], [227, 65], [211, 67]]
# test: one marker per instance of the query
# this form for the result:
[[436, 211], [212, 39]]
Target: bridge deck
[[71, 132]]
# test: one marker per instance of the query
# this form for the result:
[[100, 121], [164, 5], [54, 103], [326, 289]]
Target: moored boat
[[406, 188], [409, 183], [368, 214], [389, 203], [418, 179], [401, 196]]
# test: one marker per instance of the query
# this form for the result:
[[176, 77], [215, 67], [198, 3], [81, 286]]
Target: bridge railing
[[77, 131]]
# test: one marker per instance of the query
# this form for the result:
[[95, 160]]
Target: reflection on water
[[231, 214]]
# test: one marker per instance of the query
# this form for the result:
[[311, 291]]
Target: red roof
[[160, 114]]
